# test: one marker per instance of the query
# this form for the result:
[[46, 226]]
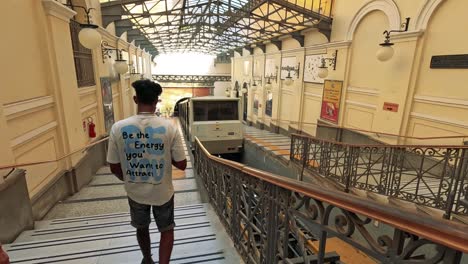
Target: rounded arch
[[425, 13], [389, 8]]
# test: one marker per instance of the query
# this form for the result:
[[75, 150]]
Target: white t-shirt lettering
[[145, 147]]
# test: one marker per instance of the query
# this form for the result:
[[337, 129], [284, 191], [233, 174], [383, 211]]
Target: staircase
[[93, 226]]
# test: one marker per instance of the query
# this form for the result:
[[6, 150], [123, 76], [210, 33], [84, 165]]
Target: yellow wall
[[42, 110], [431, 102]]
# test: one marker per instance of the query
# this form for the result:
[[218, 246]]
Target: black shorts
[[163, 215]]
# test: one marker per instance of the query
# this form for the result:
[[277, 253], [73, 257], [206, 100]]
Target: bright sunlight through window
[[183, 63]]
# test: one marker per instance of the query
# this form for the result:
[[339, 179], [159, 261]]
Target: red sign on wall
[[390, 107], [331, 100]]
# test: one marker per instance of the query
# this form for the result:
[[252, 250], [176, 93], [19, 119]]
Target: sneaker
[[143, 261]]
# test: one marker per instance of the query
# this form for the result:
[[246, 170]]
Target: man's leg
[[165, 246], [141, 219], [144, 240], [164, 217]]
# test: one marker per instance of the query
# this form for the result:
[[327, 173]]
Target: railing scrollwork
[[272, 219]]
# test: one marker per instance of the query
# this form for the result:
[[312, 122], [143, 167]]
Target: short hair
[[147, 91]]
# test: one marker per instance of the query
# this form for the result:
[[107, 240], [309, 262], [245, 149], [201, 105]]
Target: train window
[[215, 110]]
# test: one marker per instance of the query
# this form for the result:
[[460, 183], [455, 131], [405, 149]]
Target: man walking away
[[141, 151]]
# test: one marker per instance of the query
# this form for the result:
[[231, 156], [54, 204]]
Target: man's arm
[[181, 165], [116, 169]]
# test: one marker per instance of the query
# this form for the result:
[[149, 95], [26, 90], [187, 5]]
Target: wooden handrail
[[381, 145], [53, 160], [440, 231]]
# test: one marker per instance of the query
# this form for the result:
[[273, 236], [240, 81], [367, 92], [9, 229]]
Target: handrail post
[[305, 156], [456, 182], [349, 167]]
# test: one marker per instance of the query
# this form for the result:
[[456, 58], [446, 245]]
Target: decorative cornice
[[387, 6], [369, 92], [329, 45], [405, 36], [448, 102], [440, 120], [16, 142], [87, 91], [425, 13], [18, 109], [58, 10], [361, 104], [88, 107], [313, 95]]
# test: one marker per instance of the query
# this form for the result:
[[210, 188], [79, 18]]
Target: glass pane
[[215, 111]]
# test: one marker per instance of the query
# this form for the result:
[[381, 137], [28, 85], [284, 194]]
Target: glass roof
[[217, 26]]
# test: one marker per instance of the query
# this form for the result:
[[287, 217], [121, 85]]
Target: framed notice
[[107, 102], [312, 63], [331, 100], [269, 104]]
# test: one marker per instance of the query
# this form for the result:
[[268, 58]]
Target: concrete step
[[102, 224], [109, 238]]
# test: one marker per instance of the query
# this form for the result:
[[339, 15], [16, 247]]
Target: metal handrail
[[440, 231], [344, 144], [428, 175]]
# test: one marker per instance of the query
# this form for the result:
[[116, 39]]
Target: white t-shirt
[[145, 145]]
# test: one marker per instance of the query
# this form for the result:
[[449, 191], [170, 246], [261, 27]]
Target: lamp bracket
[[106, 51], [331, 61], [387, 33], [87, 10], [289, 69]]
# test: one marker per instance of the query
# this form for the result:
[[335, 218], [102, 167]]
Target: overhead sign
[[450, 62]]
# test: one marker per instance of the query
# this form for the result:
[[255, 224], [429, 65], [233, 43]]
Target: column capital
[[58, 10]]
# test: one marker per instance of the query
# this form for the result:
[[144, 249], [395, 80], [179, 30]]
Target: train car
[[216, 121]]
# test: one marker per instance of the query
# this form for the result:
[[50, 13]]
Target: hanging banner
[[331, 100]]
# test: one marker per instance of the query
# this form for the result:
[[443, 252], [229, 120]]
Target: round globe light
[[288, 81], [244, 90], [322, 72], [228, 93], [385, 53], [121, 66], [89, 37]]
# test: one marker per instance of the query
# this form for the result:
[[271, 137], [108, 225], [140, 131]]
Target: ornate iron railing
[[434, 176], [208, 80], [273, 219]]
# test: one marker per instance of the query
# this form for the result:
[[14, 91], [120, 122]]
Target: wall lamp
[[271, 76], [227, 92], [386, 51], [120, 65], [89, 37], [289, 80], [259, 80], [323, 69], [244, 89]]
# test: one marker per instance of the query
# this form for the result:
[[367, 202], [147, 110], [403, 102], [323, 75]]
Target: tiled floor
[[279, 145], [93, 227]]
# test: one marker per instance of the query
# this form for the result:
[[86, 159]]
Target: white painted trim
[[16, 142], [88, 107], [18, 109], [425, 13], [370, 92], [440, 120], [313, 95], [287, 91], [407, 36], [58, 10], [449, 102], [387, 6], [361, 104], [329, 45], [87, 91]]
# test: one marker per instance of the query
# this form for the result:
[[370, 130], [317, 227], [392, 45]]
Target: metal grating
[[83, 58], [217, 26]]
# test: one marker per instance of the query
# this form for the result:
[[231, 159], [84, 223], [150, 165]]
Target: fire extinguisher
[[91, 128], [4, 259]]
